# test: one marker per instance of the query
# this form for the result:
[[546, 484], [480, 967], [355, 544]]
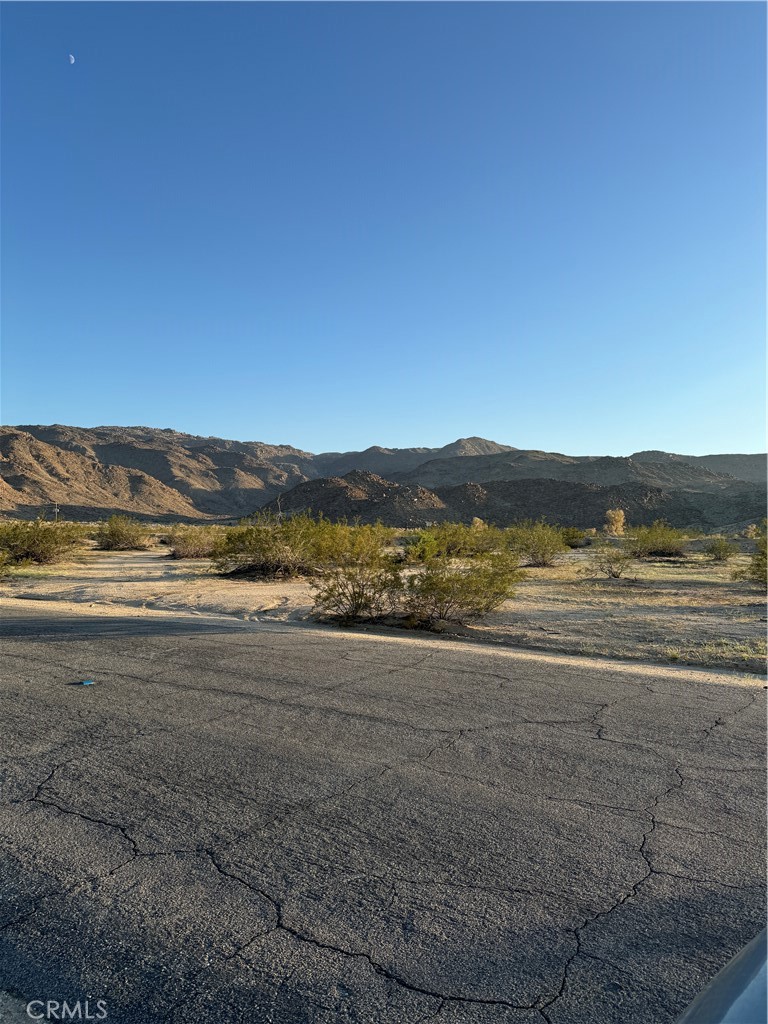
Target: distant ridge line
[[162, 473]]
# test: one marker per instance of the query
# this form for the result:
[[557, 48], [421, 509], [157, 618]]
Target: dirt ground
[[688, 611], [151, 581]]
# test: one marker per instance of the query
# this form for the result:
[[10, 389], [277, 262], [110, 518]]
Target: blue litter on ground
[[87, 682]]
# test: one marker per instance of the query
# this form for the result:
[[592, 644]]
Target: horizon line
[[416, 447]]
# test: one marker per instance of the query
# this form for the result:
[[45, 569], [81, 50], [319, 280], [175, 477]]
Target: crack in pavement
[[276, 702], [315, 801], [722, 719], [282, 925], [699, 831], [650, 870]]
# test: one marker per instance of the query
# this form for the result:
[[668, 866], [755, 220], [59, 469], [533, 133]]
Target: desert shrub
[[660, 540], [360, 578], [37, 540], [192, 541], [757, 570], [453, 540], [122, 533], [751, 532], [422, 546], [615, 522], [610, 560], [719, 549], [538, 544], [270, 547], [445, 590], [573, 537]]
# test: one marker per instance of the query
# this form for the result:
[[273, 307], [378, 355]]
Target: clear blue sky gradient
[[336, 225]]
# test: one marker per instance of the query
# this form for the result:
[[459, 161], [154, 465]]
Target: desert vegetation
[[757, 570], [537, 544], [615, 522], [446, 592], [447, 572], [611, 560], [656, 592], [720, 549], [40, 541], [359, 576], [660, 540], [573, 537], [270, 547], [122, 533], [194, 541], [453, 540]]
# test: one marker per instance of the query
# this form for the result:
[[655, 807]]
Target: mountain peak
[[474, 446]]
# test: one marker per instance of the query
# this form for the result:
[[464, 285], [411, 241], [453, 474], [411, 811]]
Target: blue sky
[[336, 225]]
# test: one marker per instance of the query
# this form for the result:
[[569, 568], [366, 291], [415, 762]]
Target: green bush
[[270, 547], [420, 547], [38, 541], [445, 590], [719, 549], [122, 533], [193, 541], [360, 578], [453, 540], [539, 544], [610, 560], [660, 540], [573, 537], [757, 570]]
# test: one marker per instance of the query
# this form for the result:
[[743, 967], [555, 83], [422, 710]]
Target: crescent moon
[[71, 59]]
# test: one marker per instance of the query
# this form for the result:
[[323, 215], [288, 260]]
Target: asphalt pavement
[[290, 825]]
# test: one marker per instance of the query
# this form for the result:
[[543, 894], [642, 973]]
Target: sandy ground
[[690, 612], [150, 581]]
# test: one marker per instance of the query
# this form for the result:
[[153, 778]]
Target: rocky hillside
[[168, 475], [146, 472], [532, 465], [369, 498], [35, 475], [753, 468], [363, 496]]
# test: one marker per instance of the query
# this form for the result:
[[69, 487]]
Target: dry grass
[[688, 610], [721, 652]]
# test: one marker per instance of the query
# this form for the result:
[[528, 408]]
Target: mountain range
[[165, 475]]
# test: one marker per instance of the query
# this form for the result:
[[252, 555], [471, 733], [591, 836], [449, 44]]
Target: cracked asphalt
[[292, 825]]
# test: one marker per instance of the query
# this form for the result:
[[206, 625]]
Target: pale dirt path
[[150, 581]]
